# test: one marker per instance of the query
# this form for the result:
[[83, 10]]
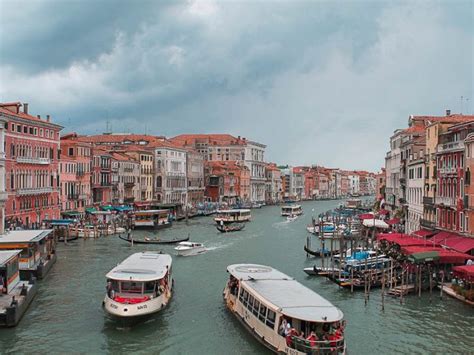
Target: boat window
[[271, 319], [131, 287], [149, 287], [262, 313], [255, 307], [251, 299]]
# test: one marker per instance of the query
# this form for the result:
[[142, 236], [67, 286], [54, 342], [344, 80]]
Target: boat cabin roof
[[289, 296], [151, 212], [7, 255], [292, 207], [234, 211], [144, 266], [24, 236]]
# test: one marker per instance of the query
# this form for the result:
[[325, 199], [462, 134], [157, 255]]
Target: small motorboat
[[190, 248], [291, 218], [234, 227]]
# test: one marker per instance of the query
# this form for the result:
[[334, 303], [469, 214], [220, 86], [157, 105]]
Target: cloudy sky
[[321, 82]]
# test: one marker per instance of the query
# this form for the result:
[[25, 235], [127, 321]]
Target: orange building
[[227, 181]]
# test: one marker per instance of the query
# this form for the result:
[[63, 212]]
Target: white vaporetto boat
[[284, 315], [139, 286], [190, 248], [231, 216], [291, 210]]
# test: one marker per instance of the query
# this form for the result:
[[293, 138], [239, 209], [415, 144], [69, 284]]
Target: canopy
[[122, 208], [405, 239], [424, 233], [393, 221], [466, 272], [444, 256], [454, 241], [422, 257], [366, 216], [384, 212], [90, 210], [107, 208], [378, 223]]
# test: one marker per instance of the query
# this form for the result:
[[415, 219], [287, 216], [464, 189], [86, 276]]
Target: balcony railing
[[447, 201], [73, 196], [83, 196], [28, 160], [34, 191], [452, 146], [447, 170], [427, 223], [428, 200]]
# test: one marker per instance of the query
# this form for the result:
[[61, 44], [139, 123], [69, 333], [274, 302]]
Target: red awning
[[445, 256], [465, 271], [454, 241], [405, 239], [366, 216], [393, 221], [424, 233]]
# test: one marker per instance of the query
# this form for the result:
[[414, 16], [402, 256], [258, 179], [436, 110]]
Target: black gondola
[[230, 227], [320, 252], [155, 241]]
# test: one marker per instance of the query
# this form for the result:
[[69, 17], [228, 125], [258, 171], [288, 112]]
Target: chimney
[[25, 108], [39, 116], [448, 112], [48, 119]]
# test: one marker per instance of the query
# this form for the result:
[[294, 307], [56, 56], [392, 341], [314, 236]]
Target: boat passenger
[[312, 338], [282, 329]]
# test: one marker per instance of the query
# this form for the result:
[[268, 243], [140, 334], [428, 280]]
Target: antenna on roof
[[462, 97]]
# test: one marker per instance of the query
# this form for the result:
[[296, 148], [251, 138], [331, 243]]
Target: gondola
[[155, 241], [320, 252], [230, 227]]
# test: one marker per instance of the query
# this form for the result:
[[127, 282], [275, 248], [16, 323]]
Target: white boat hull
[[191, 251], [138, 310]]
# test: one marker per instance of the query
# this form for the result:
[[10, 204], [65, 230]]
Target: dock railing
[[334, 346]]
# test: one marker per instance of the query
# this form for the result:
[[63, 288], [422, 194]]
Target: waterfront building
[[354, 188], [75, 175], [31, 164], [227, 181], [345, 184], [195, 177], [273, 192], [380, 185], [125, 177], [322, 184], [468, 201], [101, 176], [170, 174], [225, 147], [450, 194], [146, 159], [3, 193], [415, 177], [298, 183], [393, 192]]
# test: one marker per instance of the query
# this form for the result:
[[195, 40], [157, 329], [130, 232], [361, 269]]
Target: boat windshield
[[131, 289], [312, 337]]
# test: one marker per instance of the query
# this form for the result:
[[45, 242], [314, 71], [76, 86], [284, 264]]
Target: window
[[255, 307], [262, 313], [25, 129], [71, 151], [18, 129], [271, 319]]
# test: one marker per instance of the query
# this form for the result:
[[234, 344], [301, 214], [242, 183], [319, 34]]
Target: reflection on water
[[67, 314]]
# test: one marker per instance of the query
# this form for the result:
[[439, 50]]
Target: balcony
[[446, 171], [80, 173], [428, 200], [450, 147], [83, 196], [447, 201], [72, 196], [34, 191], [27, 160], [427, 223]]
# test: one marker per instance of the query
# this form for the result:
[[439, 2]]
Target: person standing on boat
[[283, 325]]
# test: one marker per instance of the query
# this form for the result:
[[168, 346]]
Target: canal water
[[66, 315]]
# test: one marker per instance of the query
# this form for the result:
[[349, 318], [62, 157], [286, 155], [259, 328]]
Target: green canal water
[[66, 315]]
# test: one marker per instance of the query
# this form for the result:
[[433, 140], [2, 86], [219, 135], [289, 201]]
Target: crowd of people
[[327, 336]]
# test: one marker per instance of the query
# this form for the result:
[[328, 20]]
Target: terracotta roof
[[211, 139], [122, 157], [226, 165], [414, 129], [23, 115], [454, 118]]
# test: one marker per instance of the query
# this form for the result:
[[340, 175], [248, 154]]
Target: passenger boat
[[139, 286], [151, 219], [275, 308], [231, 216], [232, 227], [148, 240], [190, 248], [291, 210]]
